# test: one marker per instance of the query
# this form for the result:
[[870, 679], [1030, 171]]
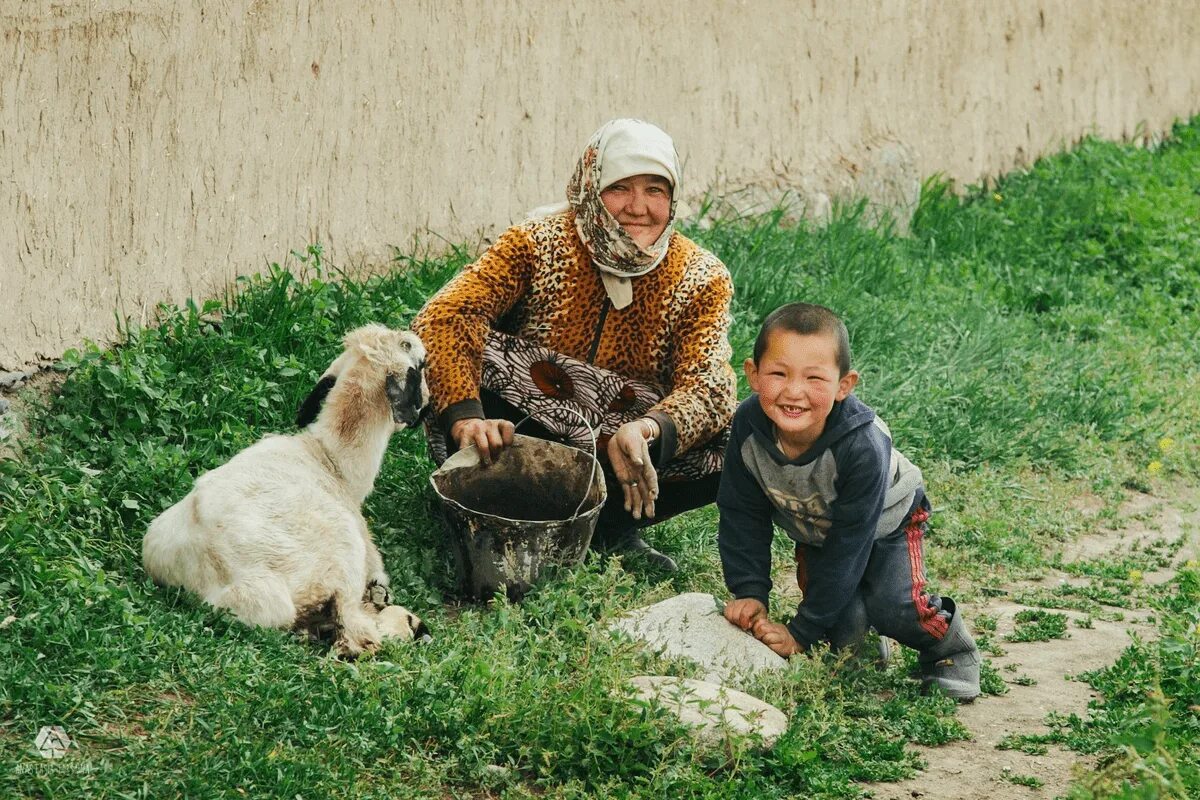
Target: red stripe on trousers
[[801, 568], [928, 617]]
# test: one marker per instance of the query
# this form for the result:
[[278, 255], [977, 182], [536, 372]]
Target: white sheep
[[276, 535]]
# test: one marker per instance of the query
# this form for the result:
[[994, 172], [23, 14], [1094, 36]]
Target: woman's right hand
[[489, 436]]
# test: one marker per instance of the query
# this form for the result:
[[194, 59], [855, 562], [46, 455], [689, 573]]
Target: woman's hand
[[489, 436], [629, 454], [777, 637], [745, 612]]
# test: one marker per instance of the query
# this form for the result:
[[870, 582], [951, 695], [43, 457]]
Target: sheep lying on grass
[[276, 535]]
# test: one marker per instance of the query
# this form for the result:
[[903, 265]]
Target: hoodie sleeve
[[836, 568], [745, 530]]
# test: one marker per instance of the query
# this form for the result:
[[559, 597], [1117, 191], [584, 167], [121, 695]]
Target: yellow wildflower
[[1135, 575], [1154, 467], [1166, 444], [997, 196]]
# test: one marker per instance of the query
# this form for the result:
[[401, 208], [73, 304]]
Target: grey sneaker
[[952, 664], [886, 653]]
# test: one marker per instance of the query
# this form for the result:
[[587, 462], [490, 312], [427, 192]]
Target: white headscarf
[[620, 149]]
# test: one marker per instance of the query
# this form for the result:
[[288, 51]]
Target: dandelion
[[1154, 467], [1135, 575], [1166, 445], [997, 196]]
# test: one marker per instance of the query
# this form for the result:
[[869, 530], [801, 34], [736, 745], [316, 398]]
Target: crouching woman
[[596, 310]]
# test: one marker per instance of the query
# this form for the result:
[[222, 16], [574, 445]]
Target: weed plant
[[1029, 341], [1035, 625]]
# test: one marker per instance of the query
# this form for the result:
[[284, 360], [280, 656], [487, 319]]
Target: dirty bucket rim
[[591, 485]]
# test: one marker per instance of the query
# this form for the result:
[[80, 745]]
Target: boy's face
[[797, 383]]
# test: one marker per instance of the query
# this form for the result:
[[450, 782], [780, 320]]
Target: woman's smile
[[642, 206]]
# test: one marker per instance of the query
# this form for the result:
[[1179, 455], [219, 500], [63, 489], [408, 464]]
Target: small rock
[[11, 380], [4, 406], [496, 776], [691, 625], [717, 712]]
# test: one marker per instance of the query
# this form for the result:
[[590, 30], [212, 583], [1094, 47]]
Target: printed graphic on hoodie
[[810, 515]]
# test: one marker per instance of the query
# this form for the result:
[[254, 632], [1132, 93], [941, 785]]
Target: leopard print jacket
[[537, 282]]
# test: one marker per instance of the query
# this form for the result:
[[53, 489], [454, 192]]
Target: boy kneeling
[[808, 456]]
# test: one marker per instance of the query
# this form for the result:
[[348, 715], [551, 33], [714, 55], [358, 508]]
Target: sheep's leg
[[377, 593], [357, 631], [377, 596], [260, 599], [374, 561]]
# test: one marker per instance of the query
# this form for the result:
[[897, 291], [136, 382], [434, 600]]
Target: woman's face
[[642, 204]]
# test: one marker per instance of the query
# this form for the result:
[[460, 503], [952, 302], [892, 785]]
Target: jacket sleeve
[[454, 324], [704, 389], [836, 568], [745, 529]]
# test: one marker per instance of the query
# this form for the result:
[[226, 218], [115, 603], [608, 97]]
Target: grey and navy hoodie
[[850, 488]]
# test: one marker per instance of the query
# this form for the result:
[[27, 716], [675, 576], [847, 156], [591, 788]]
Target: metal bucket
[[536, 505]]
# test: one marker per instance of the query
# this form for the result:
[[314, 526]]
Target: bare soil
[[36, 389], [976, 769]]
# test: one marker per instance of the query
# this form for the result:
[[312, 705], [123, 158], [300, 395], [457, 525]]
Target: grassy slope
[[1030, 343]]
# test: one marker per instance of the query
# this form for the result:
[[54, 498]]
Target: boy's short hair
[[806, 319]]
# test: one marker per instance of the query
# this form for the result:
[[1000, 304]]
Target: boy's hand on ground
[[745, 612], [777, 637]]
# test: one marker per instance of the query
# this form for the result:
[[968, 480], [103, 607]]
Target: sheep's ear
[[366, 339], [311, 406], [370, 353]]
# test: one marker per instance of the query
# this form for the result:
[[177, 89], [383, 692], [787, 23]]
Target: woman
[[601, 309]]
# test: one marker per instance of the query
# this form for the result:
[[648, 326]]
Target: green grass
[[1035, 625], [1031, 781], [1030, 342]]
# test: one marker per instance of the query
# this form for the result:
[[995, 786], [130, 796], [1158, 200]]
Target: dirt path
[[976, 769], [15, 406]]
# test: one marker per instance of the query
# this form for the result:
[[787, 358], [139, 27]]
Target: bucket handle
[[595, 461]]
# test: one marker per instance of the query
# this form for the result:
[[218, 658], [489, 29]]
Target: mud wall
[[153, 150]]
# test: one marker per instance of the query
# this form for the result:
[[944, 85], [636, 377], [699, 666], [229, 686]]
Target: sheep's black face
[[407, 396]]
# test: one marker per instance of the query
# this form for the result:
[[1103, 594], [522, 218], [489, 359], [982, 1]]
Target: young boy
[[808, 456]]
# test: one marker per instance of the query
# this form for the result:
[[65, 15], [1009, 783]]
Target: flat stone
[[717, 712], [692, 626], [11, 380]]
